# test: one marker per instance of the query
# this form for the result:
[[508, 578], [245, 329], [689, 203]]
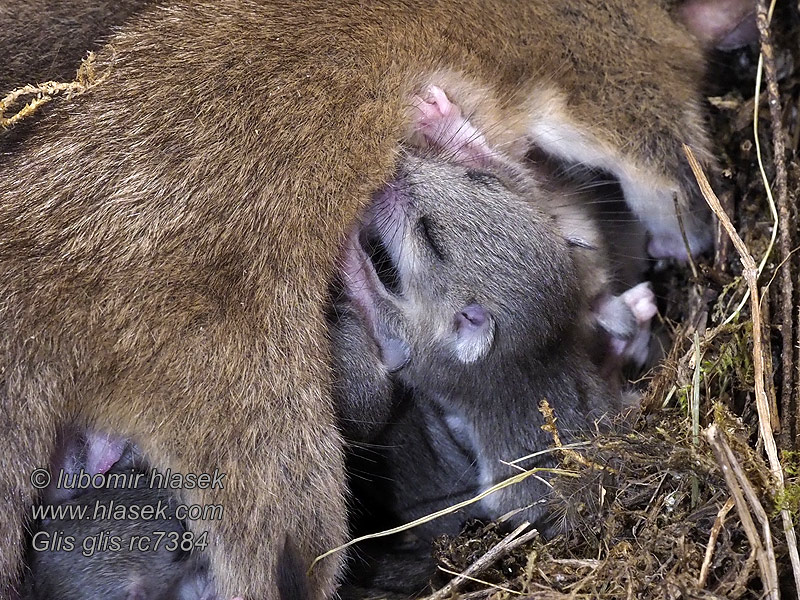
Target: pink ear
[[474, 329], [442, 126], [472, 317]]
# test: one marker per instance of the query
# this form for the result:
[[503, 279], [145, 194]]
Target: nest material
[[638, 528], [652, 514]]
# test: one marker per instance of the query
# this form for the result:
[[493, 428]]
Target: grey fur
[[491, 245]]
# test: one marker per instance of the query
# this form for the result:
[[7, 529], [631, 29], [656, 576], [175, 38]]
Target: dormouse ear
[[474, 333], [440, 124]]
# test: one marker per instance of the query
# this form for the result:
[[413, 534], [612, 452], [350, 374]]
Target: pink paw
[[642, 302]]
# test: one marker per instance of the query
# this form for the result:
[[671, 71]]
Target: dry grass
[[40, 94]]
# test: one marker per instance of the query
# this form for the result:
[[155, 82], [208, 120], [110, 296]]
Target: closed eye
[[481, 177], [579, 243], [425, 229]]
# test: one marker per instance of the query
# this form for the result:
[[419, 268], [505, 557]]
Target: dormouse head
[[454, 267]]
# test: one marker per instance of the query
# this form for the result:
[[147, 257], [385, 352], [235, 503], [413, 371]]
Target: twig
[[712, 541], [750, 274], [586, 563], [694, 402], [733, 474], [756, 507], [515, 463], [488, 584], [476, 595], [722, 243], [770, 200], [506, 545], [779, 150], [683, 235], [662, 386], [694, 410], [765, 419], [766, 341]]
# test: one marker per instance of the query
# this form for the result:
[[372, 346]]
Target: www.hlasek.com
[[140, 518]]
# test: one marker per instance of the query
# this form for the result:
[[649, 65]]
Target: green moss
[[789, 499]]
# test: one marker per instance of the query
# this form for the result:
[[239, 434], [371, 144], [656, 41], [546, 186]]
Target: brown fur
[[41, 41], [166, 239], [44, 40]]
